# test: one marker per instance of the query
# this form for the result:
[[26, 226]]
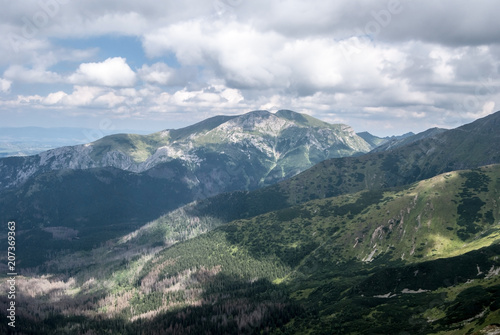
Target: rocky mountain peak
[[275, 145]]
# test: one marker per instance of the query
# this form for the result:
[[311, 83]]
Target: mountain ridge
[[138, 153], [376, 141], [395, 142], [372, 171]]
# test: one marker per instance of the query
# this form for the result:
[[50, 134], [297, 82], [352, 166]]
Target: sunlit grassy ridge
[[219, 131], [426, 212], [139, 147]]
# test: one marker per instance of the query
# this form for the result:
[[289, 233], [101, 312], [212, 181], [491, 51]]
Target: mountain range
[[402, 238], [466, 147], [258, 148], [122, 181]]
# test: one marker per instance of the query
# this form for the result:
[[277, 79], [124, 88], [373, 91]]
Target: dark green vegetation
[[470, 204], [379, 262], [92, 206]]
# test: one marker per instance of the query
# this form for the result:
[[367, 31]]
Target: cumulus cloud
[[488, 108], [111, 72], [158, 73], [435, 63], [217, 96], [239, 52], [36, 75], [5, 85], [213, 96], [246, 58], [81, 96]]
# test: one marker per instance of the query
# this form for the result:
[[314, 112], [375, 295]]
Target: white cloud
[[246, 58], [214, 96], [55, 98], [110, 99], [488, 108], [82, 96], [233, 96], [233, 56], [5, 85], [244, 55], [36, 75], [158, 73], [112, 72]]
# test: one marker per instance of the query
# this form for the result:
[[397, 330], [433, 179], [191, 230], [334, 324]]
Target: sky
[[387, 67]]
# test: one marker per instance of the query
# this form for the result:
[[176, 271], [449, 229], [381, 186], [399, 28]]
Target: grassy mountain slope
[[418, 259], [141, 147]]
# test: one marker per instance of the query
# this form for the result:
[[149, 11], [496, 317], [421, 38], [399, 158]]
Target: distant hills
[[398, 141], [376, 141], [26, 141]]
